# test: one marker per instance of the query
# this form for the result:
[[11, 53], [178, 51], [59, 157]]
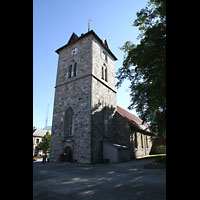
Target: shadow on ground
[[101, 181]]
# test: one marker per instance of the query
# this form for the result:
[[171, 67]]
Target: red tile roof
[[132, 119]]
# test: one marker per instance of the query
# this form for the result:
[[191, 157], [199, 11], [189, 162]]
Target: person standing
[[44, 159], [48, 158]]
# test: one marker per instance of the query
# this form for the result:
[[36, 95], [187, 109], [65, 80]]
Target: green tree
[[144, 65], [44, 145]]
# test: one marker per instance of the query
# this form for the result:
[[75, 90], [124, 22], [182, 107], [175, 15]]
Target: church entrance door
[[68, 154]]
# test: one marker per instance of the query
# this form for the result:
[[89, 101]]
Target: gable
[[72, 39]]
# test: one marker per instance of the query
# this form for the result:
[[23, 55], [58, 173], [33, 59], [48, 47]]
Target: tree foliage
[[145, 66], [44, 145]]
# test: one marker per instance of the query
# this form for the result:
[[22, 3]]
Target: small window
[[106, 78], [102, 73], [142, 145], [136, 142], [147, 141], [70, 71], [75, 69], [37, 141]]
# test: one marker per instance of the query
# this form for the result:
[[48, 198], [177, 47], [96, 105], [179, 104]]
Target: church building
[[88, 126]]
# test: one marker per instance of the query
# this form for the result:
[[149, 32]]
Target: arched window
[[70, 71], [142, 141], [106, 77], [69, 123], [74, 74], [147, 141], [136, 140], [102, 72]]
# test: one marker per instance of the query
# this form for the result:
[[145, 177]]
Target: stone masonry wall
[[103, 104], [83, 60], [98, 62], [74, 92], [93, 101]]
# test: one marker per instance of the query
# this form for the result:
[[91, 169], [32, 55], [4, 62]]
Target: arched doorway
[[68, 157]]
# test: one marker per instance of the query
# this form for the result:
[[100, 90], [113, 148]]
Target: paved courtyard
[[123, 181]]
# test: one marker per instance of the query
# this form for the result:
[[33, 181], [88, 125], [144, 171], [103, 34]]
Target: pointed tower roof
[[73, 38]]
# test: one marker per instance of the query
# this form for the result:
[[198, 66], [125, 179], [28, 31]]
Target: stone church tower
[[85, 99]]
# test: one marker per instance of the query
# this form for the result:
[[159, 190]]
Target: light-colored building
[[38, 134]]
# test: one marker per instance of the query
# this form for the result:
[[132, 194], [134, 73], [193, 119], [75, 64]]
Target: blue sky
[[53, 23]]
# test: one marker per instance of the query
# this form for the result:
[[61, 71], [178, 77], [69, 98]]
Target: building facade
[[38, 134], [85, 112]]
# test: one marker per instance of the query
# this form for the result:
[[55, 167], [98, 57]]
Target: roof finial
[[89, 20]]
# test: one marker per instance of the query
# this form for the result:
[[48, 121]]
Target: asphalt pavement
[[121, 181]]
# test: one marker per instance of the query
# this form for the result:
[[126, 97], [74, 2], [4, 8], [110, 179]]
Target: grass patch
[[152, 156]]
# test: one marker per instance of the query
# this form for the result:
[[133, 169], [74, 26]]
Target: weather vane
[[89, 20]]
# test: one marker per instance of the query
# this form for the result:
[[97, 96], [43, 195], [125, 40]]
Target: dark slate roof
[[74, 38]]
